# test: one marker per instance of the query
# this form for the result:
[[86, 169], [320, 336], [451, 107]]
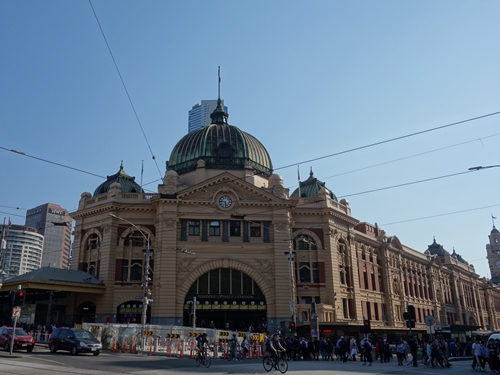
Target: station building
[[223, 229]]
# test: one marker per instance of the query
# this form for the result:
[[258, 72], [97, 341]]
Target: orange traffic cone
[[150, 350]]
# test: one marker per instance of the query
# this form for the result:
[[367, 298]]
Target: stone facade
[[352, 269]]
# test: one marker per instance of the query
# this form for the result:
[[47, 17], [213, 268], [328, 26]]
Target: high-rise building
[[23, 251], [199, 115], [54, 223]]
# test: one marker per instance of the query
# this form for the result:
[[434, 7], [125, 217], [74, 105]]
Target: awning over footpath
[[49, 278]]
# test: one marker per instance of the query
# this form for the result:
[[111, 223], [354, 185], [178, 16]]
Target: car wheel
[[53, 348], [6, 346], [29, 350], [96, 353], [74, 350]]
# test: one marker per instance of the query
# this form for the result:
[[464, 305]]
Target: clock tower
[[493, 254]]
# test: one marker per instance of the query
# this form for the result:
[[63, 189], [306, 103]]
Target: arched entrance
[[131, 312], [86, 312], [227, 297]]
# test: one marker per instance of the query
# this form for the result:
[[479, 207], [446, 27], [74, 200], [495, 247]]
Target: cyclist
[[202, 342], [273, 345]]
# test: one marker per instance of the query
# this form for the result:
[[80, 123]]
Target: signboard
[[16, 312]]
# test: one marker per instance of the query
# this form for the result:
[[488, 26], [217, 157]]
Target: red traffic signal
[[292, 325], [366, 325], [20, 294]]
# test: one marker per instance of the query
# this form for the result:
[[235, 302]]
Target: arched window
[[93, 242], [135, 238], [304, 242]]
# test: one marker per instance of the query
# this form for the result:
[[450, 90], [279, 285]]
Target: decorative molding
[[184, 265]]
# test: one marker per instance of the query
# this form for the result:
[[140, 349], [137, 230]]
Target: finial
[[311, 172], [219, 85], [121, 165], [493, 220]]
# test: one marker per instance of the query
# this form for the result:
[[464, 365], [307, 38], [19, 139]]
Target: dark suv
[[74, 340]]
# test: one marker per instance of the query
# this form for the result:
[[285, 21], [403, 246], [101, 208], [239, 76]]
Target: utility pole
[[194, 312]]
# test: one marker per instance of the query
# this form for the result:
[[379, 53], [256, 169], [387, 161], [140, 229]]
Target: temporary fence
[[171, 341]]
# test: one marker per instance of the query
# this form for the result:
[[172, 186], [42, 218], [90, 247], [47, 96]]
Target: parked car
[[74, 340], [22, 341]]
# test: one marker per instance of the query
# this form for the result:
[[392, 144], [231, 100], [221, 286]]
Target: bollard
[[143, 343], [181, 349], [156, 344]]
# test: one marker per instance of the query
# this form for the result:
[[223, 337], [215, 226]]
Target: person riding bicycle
[[273, 345], [202, 342]]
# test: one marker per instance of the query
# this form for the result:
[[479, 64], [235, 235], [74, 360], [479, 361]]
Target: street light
[[145, 299]]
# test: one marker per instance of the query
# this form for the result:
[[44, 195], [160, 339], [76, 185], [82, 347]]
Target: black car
[[75, 341]]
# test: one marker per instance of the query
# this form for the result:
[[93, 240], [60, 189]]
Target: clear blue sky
[[308, 79]]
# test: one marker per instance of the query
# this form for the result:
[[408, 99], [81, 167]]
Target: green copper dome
[[220, 146], [126, 182], [311, 188]]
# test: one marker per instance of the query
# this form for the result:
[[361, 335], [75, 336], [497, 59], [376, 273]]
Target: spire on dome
[[219, 115]]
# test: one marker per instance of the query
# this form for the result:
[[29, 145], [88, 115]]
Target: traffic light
[[366, 325], [20, 297], [411, 312], [291, 327]]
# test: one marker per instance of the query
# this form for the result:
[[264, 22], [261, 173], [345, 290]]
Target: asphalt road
[[42, 362]]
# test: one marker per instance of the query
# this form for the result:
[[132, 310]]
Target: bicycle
[[277, 362], [229, 354], [203, 358]]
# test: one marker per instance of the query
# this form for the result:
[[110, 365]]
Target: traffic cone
[[124, 347], [150, 350]]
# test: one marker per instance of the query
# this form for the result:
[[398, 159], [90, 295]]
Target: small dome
[[494, 230], [311, 188], [436, 249], [220, 146], [127, 183]]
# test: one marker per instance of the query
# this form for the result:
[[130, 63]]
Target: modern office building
[[225, 230], [199, 115], [54, 223], [23, 251]]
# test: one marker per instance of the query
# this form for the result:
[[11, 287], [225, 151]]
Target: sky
[[308, 79]]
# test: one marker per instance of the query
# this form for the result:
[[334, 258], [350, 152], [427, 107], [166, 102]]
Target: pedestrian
[[413, 344], [354, 350], [367, 352]]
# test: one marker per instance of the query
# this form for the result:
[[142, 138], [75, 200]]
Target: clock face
[[497, 263], [226, 202]]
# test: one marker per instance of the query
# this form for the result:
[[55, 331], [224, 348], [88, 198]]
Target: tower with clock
[[493, 254]]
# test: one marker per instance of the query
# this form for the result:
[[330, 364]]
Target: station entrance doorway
[[226, 299]]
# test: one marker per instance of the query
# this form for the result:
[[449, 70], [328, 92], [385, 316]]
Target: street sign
[[429, 320], [16, 312]]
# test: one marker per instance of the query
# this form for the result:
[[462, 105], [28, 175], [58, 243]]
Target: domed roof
[[311, 187], [220, 146], [436, 249], [126, 182]]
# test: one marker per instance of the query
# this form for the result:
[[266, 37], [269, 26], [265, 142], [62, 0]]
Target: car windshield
[[83, 335], [19, 332]]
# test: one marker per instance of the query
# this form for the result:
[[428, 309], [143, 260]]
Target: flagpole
[[298, 177], [142, 171]]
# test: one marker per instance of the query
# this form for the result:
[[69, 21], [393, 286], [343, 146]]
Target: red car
[[22, 341]]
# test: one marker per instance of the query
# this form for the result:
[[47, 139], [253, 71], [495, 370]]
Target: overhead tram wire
[[287, 166], [404, 184], [303, 162], [126, 90], [390, 140], [439, 215]]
